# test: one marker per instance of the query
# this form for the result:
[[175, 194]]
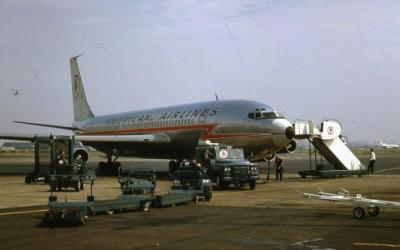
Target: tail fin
[[82, 110]]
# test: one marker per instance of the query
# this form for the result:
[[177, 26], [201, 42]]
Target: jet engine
[[79, 150], [290, 148]]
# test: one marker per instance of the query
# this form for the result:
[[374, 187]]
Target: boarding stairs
[[332, 145]]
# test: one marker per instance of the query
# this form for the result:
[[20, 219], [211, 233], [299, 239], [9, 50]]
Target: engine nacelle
[[290, 148], [80, 151]]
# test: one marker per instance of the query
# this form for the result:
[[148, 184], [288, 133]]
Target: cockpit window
[[258, 115]]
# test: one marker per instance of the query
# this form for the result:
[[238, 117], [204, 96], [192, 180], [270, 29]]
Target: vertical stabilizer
[[82, 110]]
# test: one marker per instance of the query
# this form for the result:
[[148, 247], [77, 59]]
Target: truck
[[227, 165]]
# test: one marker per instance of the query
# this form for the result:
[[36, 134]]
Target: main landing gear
[[111, 166]]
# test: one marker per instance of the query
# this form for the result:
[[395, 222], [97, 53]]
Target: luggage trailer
[[77, 212]]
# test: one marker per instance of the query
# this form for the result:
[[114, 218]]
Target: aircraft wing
[[18, 137], [155, 138]]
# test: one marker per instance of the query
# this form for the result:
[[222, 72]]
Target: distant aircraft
[[174, 132], [388, 146], [372, 205]]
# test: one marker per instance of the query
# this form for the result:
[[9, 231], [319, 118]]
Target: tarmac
[[273, 216]]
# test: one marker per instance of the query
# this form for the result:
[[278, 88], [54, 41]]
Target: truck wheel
[[358, 213], [208, 196], [172, 166], [220, 183], [145, 206], [252, 184], [373, 211]]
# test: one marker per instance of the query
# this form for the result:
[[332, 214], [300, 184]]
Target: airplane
[[388, 146], [371, 205], [174, 132]]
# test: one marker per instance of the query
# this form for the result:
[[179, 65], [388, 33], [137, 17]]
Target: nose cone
[[282, 132]]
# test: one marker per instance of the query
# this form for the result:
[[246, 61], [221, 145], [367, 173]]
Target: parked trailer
[[141, 198], [331, 173]]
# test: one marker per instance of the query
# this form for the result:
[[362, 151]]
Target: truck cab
[[226, 165]]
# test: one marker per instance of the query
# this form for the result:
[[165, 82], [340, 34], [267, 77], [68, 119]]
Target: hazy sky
[[309, 59]]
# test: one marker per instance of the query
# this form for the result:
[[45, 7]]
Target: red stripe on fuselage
[[207, 127]]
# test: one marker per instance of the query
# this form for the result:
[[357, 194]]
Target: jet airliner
[[174, 132]]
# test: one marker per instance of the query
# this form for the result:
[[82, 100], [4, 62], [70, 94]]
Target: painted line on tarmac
[[387, 169], [24, 212], [376, 245]]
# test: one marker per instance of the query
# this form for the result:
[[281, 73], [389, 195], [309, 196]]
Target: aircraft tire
[[373, 211], [270, 157], [359, 213]]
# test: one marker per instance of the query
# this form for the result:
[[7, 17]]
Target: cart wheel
[[252, 184], [110, 211], [145, 206], [196, 199], [358, 213], [208, 196], [373, 211], [28, 179]]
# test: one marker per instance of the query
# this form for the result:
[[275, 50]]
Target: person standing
[[278, 168], [371, 163]]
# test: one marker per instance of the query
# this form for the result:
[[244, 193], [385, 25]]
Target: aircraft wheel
[[373, 211], [270, 157], [358, 213]]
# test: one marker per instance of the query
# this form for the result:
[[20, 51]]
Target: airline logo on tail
[[77, 81]]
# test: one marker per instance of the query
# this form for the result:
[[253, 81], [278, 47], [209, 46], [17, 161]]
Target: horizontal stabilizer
[[48, 125]]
